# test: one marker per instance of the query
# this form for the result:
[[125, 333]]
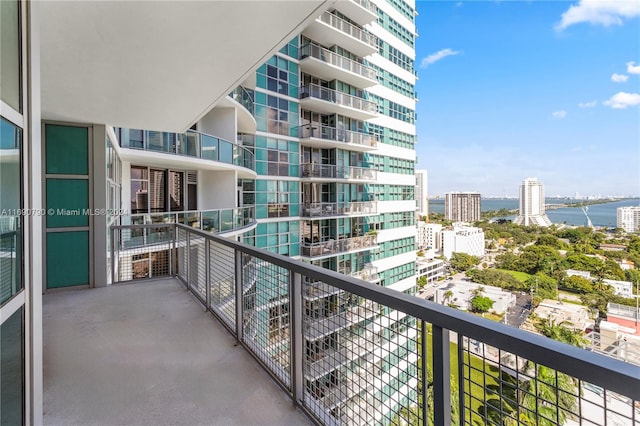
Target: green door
[[67, 203]]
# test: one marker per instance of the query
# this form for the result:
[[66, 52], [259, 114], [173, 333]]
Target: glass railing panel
[[210, 147], [160, 141], [226, 152], [210, 220], [191, 143], [226, 220], [191, 219]]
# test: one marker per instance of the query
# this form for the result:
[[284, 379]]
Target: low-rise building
[[576, 315], [460, 293], [624, 316], [462, 239], [575, 272], [433, 269], [620, 288]]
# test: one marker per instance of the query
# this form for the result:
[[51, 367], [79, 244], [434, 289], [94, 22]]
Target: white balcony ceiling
[[156, 65]]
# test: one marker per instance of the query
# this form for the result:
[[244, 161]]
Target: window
[[160, 190], [276, 115]]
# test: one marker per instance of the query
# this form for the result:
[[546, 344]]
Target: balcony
[[330, 101], [360, 11], [314, 171], [496, 374], [246, 121], [321, 136], [148, 354], [328, 65], [191, 144], [329, 30], [346, 208], [216, 220], [332, 247]]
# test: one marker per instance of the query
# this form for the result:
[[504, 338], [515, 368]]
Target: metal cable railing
[[366, 354]]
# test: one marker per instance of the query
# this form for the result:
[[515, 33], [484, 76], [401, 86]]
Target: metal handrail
[[332, 171], [613, 375], [317, 130], [348, 28], [600, 370], [316, 51], [332, 95]]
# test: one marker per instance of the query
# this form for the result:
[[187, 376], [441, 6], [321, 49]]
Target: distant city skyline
[[512, 89]]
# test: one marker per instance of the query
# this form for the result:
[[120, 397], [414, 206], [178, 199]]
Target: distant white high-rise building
[[462, 206], [532, 209], [422, 194], [629, 218]]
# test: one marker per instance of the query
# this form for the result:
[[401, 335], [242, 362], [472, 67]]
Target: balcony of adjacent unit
[[189, 150], [332, 247], [334, 209], [217, 221], [326, 100], [328, 65], [316, 171], [318, 135], [243, 101], [385, 353], [360, 11], [329, 29]]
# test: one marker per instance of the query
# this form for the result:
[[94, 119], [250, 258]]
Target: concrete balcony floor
[[147, 353]]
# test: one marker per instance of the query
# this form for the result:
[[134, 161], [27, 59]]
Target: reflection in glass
[[10, 220], [12, 370]]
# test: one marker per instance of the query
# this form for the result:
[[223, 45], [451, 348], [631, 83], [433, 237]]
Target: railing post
[[424, 368], [441, 376], [113, 261], [239, 299], [173, 253], [296, 333], [187, 249], [207, 272]]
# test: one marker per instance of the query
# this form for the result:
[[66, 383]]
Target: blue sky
[[515, 89]]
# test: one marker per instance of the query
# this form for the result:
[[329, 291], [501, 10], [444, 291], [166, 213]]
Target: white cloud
[[633, 69], [619, 78], [435, 57], [599, 12], [589, 104], [559, 114], [622, 100]]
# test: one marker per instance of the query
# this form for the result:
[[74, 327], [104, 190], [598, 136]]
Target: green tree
[[481, 304], [577, 284], [421, 282], [462, 262]]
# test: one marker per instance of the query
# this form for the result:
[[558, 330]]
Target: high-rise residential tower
[[628, 218], [462, 206], [422, 193], [335, 185], [532, 204]]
